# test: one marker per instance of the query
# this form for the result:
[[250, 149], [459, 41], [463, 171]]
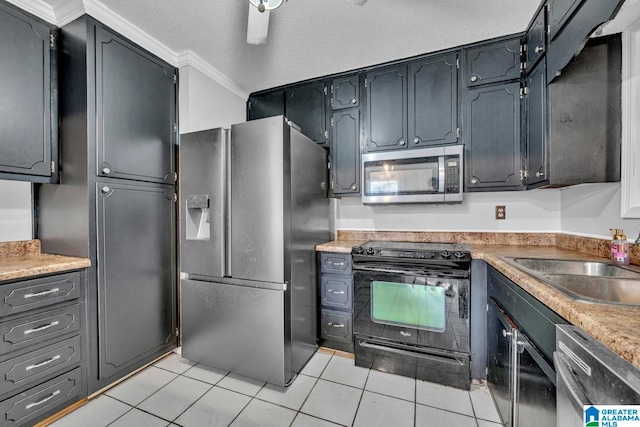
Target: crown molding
[[189, 58], [68, 10], [108, 17], [38, 8]]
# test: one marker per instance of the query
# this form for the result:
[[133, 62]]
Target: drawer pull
[[331, 291], [41, 328], [46, 399], [39, 294], [335, 325], [46, 362], [337, 263]]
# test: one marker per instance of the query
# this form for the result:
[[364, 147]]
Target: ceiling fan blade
[[257, 26]]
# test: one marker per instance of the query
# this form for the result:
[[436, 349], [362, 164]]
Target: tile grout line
[[415, 402], [203, 394], [361, 396]]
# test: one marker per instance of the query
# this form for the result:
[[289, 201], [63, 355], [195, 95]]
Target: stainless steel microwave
[[424, 175]]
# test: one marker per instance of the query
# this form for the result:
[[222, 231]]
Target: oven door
[[411, 307]]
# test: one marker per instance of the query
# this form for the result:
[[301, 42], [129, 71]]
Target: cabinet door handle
[[353, 100], [539, 174], [41, 328], [474, 78], [105, 189], [354, 187], [106, 171], [39, 294], [416, 140], [46, 362], [339, 264], [474, 181], [506, 334], [401, 142], [332, 291], [539, 49], [46, 399], [335, 325]]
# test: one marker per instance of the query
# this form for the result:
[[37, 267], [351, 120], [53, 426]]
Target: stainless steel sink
[[584, 268], [587, 281], [599, 289]]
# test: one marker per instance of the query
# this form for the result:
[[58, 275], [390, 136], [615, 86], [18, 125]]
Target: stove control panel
[[418, 255]]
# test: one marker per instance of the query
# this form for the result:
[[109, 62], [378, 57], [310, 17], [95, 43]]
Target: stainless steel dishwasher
[[588, 373]]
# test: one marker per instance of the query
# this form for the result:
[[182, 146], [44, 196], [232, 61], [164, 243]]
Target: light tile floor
[[330, 391]]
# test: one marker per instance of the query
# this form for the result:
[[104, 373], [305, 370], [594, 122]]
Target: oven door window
[[410, 305]]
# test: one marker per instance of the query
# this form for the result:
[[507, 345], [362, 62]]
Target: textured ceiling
[[313, 38]]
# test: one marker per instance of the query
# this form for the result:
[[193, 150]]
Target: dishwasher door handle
[[567, 381]]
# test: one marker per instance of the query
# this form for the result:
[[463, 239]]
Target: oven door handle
[[451, 360]]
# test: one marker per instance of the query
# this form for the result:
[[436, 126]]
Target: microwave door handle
[[441, 175]]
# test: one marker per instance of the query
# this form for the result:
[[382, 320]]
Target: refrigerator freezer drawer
[[236, 328]]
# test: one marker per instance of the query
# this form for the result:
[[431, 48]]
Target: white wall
[[206, 104], [15, 211], [592, 209], [531, 211]]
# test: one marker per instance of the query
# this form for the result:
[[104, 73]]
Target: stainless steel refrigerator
[[253, 205]]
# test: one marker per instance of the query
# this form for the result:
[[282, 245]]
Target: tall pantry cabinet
[[115, 203]]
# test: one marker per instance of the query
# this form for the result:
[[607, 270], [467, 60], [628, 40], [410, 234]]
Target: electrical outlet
[[501, 212]]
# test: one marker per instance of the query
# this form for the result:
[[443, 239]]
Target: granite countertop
[[23, 259], [341, 246], [616, 326]]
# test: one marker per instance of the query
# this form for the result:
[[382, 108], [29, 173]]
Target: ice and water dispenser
[[198, 224]]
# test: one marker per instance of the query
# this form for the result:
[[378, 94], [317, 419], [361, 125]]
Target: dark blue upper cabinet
[[306, 106], [135, 109], [28, 87], [537, 106], [571, 23], [493, 158], [345, 92], [492, 62], [536, 39], [345, 152], [559, 13], [267, 104], [386, 111], [433, 100]]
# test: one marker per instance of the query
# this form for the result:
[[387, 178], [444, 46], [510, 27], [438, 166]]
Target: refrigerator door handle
[[226, 200]]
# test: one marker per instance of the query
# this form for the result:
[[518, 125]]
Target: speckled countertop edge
[[616, 326], [19, 248], [23, 259]]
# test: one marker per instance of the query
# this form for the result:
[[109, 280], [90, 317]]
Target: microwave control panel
[[452, 174]]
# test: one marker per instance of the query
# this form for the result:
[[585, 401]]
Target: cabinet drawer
[[29, 294], [335, 263], [38, 364], [336, 325], [41, 401], [31, 330], [336, 291]]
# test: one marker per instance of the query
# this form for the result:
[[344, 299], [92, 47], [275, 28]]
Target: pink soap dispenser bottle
[[619, 247]]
